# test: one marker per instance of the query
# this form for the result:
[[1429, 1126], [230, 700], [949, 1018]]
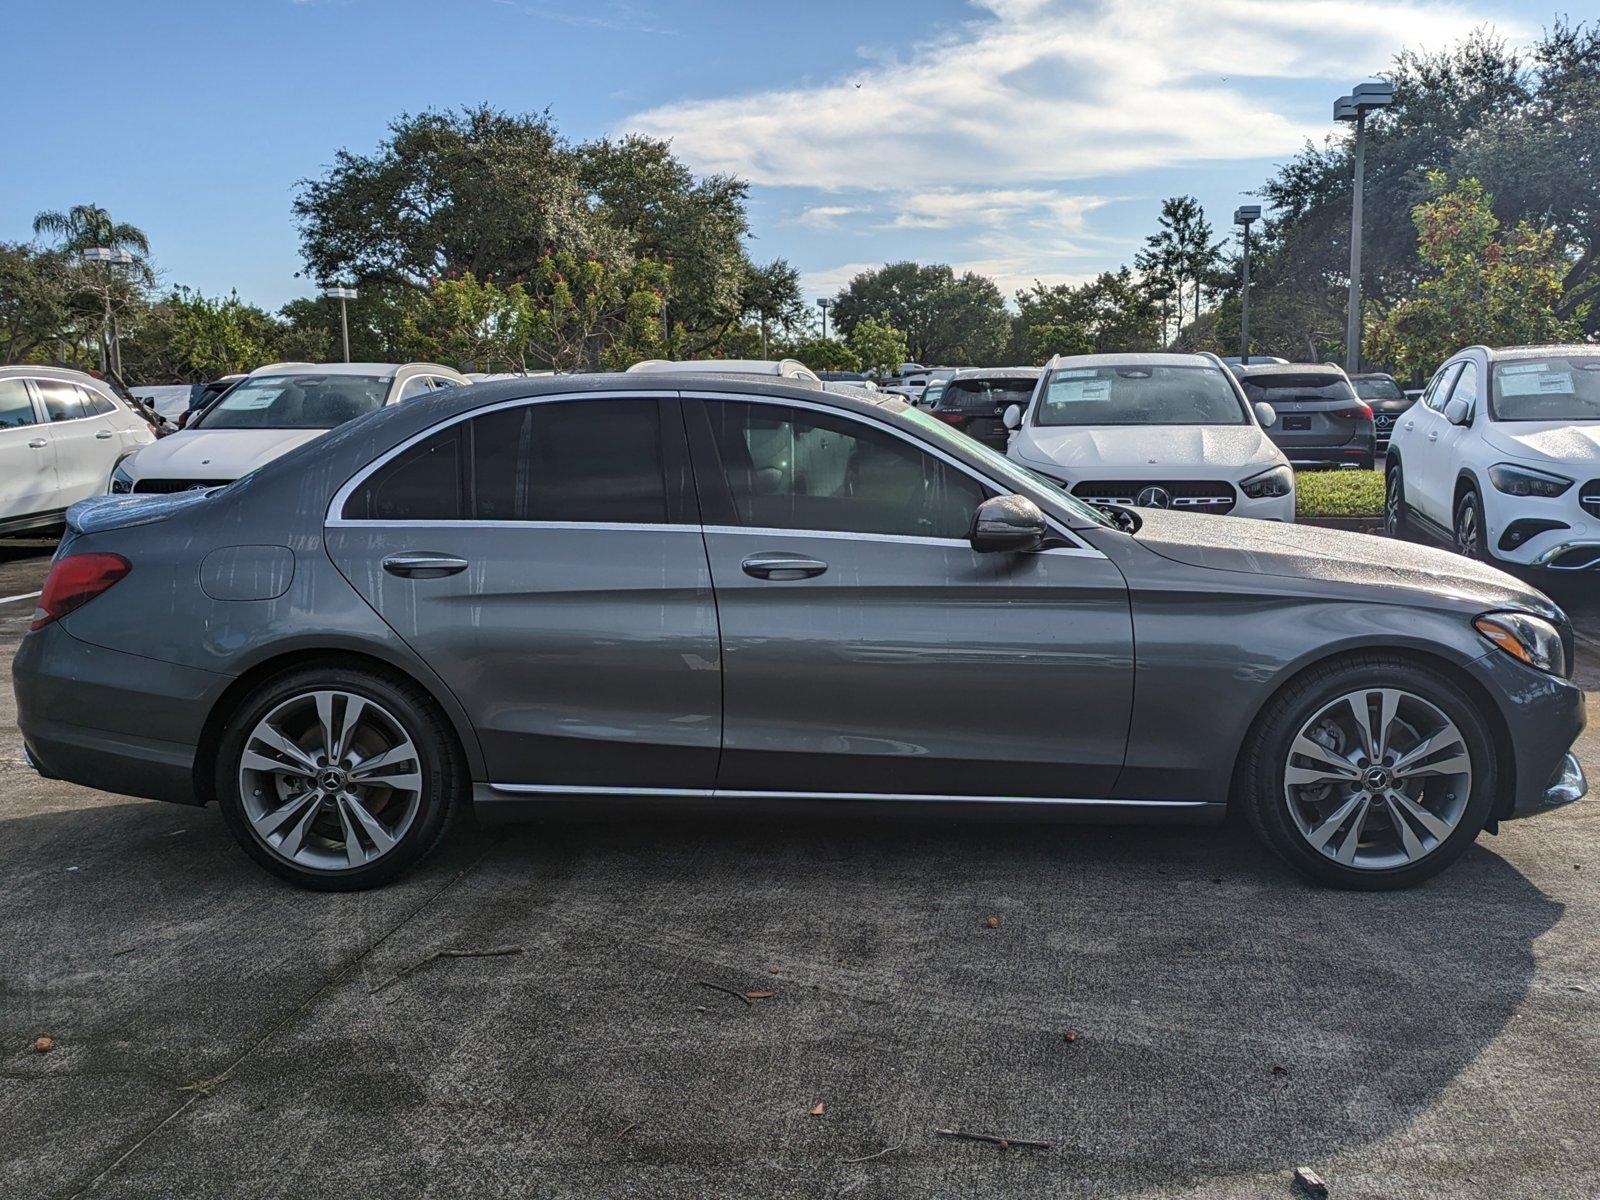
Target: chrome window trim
[[42, 407], [898, 538], [559, 789], [926, 447]]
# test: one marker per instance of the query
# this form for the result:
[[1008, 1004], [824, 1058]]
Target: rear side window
[[16, 406], [583, 461], [62, 401], [97, 404]]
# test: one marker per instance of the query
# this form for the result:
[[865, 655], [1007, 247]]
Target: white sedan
[[61, 433], [1156, 431], [1501, 458], [269, 413]]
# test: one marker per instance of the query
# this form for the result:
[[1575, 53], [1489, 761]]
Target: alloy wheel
[[1378, 778], [1391, 505], [330, 780], [1467, 527]]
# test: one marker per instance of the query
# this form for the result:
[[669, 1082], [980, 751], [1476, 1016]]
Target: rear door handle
[[424, 565], [782, 566], [104, 435], [38, 443], [1433, 435]]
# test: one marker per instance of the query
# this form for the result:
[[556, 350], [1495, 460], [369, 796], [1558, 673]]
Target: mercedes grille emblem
[[1153, 497]]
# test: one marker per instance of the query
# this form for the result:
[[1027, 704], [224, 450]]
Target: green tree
[[1112, 313], [826, 354], [468, 324], [589, 315], [187, 338], [1180, 254], [878, 346], [1477, 287], [35, 301], [948, 319]]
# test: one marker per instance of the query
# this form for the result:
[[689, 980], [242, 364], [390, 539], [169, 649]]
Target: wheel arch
[[1499, 732], [227, 703]]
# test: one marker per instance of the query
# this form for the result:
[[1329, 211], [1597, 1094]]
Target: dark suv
[[1386, 399], [974, 400], [1320, 417]]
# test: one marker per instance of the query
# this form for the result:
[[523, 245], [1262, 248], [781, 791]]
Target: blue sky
[[1022, 138]]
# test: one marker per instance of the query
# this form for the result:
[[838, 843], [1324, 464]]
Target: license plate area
[[1291, 423]]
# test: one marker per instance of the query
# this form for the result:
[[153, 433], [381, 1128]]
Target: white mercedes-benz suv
[[270, 412], [1501, 458], [1153, 430]]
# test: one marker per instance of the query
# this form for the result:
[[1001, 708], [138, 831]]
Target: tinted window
[[1559, 388], [97, 404], [1286, 386], [1439, 386], [1378, 389], [62, 401], [796, 469], [985, 393], [16, 408], [296, 402], [1139, 395], [588, 461]]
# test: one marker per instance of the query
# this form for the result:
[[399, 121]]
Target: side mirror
[[1266, 414], [1012, 416], [1008, 525], [1457, 411]]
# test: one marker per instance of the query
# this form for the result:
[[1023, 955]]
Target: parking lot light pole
[[343, 295], [824, 304], [1242, 216], [1364, 98]]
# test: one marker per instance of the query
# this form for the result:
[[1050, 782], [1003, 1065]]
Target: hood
[[1334, 555], [1569, 443], [1140, 447], [215, 453]]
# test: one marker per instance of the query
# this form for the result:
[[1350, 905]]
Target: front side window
[[16, 406], [1139, 395], [1562, 387], [589, 461], [1466, 388], [789, 468], [1439, 386], [62, 401], [296, 402]]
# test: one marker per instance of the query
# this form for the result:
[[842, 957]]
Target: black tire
[[443, 789], [1471, 538], [1395, 522], [1267, 753]]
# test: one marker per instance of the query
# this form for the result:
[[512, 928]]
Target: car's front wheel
[[1469, 528], [337, 779], [1373, 773], [1395, 524]]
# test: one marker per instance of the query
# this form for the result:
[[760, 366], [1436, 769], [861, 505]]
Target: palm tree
[[86, 225]]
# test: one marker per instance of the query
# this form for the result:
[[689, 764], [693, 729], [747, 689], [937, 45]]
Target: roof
[[726, 366], [463, 399], [67, 374], [1156, 358], [1542, 351], [1292, 369], [1372, 375], [996, 372]]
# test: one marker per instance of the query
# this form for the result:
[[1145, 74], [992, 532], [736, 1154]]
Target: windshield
[[1560, 388], [1378, 389], [1002, 467], [1280, 387], [296, 402], [1141, 395]]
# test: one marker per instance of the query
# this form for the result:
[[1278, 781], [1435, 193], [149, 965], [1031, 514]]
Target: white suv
[[1153, 430], [61, 433], [268, 413], [1501, 459]]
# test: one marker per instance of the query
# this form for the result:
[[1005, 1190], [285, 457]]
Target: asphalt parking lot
[[219, 1033]]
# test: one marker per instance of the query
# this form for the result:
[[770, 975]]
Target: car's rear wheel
[[1374, 773], [1395, 524], [337, 779], [1469, 529]]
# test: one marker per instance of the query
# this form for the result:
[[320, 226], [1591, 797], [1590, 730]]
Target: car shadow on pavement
[[1226, 1017]]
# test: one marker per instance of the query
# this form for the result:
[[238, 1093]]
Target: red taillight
[[951, 418], [74, 581], [1361, 412]]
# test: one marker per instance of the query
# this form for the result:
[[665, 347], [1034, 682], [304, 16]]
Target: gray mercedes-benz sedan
[[725, 588]]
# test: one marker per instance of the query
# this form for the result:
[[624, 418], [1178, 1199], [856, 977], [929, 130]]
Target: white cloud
[[825, 216], [830, 280], [1038, 90], [946, 207]]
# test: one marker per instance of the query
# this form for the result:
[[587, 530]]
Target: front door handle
[[424, 565], [38, 443], [782, 566], [104, 435], [1411, 424], [1433, 435]]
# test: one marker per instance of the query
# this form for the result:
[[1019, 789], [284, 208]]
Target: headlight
[[121, 481], [1528, 639], [1279, 481], [1525, 481]]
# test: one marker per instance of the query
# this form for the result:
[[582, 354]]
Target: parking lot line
[[22, 596]]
